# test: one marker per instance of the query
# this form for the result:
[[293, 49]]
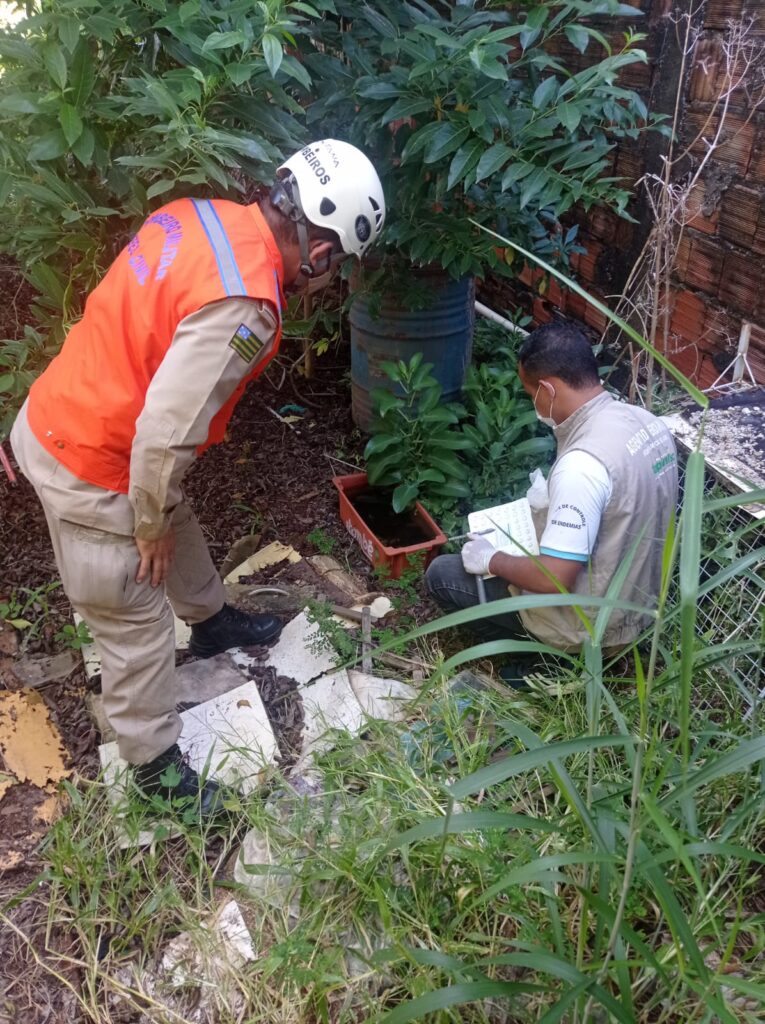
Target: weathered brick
[[736, 139], [704, 265], [541, 311], [689, 313], [741, 282], [706, 68], [721, 330], [555, 294], [585, 263], [758, 242], [699, 216], [576, 306], [625, 232], [594, 318], [602, 223], [756, 354], [739, 214], [683, 256], [718, 12], [628, 163], [696, 365]]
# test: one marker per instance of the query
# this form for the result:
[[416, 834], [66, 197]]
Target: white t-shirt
[[579, 489]]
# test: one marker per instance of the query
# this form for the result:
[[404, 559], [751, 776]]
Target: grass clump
[[590, 852]]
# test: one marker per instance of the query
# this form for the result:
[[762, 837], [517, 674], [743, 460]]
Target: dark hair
[[559, 350]]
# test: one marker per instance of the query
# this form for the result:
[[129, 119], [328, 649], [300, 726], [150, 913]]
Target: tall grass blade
[[453, 995], [471, 821], [516, 764], [747, 752], [690, 558]]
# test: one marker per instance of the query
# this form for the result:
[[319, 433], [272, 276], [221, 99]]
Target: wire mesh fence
[[733, 610]]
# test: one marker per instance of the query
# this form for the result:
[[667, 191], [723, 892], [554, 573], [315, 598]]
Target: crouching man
[[612, 488]]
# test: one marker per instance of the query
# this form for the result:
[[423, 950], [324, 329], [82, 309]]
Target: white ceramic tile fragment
[[328, 703], [225, 943], [257, 869], [298, 653], [232, 730], [381, 698], [90, 656]]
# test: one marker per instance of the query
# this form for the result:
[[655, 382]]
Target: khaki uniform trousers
[[131, 623]]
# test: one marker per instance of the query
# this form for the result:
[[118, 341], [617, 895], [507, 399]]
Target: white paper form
[[508, 524]]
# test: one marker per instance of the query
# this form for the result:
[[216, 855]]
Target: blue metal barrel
[[443, 333]]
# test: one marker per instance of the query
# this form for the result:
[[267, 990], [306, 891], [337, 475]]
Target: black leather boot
[[180, 783], [232, 627]]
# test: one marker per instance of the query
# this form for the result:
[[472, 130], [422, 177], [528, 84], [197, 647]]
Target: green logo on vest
[[661, 464]]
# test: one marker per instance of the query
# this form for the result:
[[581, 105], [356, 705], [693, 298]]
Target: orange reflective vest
[[84, 407]]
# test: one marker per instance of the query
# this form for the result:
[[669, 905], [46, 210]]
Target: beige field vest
[[639, 453]]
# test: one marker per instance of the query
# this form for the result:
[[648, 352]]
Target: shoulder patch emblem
[[246, 343]]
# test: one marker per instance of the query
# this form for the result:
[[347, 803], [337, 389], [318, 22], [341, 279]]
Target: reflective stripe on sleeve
[[221, 247]]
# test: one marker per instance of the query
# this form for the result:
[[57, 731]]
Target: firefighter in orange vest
[[187, 314]]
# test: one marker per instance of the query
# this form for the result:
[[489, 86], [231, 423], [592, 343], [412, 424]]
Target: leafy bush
[[414, 446], [470, 114], [507, 440]]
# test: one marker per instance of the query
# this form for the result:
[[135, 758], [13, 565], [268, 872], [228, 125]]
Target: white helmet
[[333, 185]]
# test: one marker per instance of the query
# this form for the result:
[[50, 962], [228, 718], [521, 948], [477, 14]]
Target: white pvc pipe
[[742, 351], [491, 315]]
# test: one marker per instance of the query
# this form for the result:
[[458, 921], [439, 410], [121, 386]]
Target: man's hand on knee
[[156, 558]]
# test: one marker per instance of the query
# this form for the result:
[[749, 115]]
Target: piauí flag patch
[[246, 343]]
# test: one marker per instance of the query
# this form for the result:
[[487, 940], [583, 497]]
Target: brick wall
[[719, 280]]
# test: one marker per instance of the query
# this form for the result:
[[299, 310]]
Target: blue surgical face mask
[[547, 420]]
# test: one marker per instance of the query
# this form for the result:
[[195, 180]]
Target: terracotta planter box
[[378, 553]]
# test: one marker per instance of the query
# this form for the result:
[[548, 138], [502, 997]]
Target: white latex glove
[[477, 554]]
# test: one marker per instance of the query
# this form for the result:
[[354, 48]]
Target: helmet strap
[[285, 196]]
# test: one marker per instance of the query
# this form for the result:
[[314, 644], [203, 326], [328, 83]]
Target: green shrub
[[470, 115], [414, 446]]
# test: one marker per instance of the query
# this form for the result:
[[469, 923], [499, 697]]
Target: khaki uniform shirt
[[196, 378]]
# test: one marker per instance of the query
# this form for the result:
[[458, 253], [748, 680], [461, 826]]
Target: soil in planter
[[394, 529]]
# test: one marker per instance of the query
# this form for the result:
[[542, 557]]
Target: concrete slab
[[197, 682], [381, 698], [232, 731], [36, 670], [299, 654], [208, 678]]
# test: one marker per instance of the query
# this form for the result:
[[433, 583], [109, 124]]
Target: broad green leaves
[[470, 114], [414, 448]]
